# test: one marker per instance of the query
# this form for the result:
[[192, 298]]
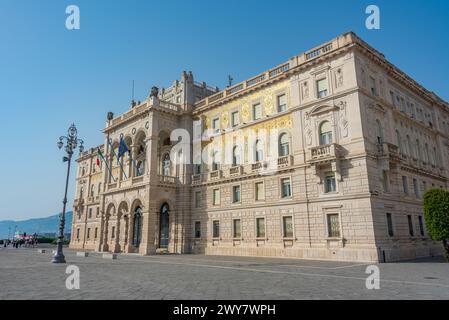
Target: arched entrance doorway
[[137, 227], [164, 226]]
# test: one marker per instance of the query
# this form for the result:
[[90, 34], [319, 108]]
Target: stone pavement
[[27, 274]]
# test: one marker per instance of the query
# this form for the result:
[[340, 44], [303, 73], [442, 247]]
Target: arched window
[[137, 227], [164, 228], [259, 151], [418, 150], [398, 140], [426, 153], [81, 192], [215, 161], [166, 165], [435, 157], [140, 168], [284, 145], [380, 132], [325, 133], [409, 147], [236, 156]]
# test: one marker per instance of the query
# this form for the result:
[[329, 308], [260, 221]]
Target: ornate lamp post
[[71, 142]]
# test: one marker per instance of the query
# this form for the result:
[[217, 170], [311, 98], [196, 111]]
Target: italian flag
[[100, 157]]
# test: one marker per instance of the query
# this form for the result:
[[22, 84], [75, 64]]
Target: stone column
[[117, 234], [105, 234], [133, 161], [147, 242], [125, 234]]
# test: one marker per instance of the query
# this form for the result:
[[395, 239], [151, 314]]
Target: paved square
[[27, 274]]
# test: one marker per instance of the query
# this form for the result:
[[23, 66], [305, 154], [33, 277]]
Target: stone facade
[[325, 156]]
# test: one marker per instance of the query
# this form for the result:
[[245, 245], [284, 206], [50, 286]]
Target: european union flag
[[122, 149]]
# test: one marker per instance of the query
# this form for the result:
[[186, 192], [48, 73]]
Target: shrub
[[436, 213]]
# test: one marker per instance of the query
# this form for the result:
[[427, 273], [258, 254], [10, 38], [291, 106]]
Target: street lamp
[[71, 142]]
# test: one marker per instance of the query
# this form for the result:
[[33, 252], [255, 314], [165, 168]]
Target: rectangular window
[[113, 233], [287, 224], [286, 188], [257, 111], [78, 234], [385, 182], [421, 226], [390, 225], [410, 225], [424, 186], [260, 227], [236, 194], [90, 213], [321, 86], [282, 103], [333, 226], [237, 228], [373, 86], [216, 228], [216, 125], [216, 197], [259, 191], [393, 101], [197, 229], [329, 182], [405, 184], [415, 187], [235, 120], [197, 199], [88, 233], [96, 233]]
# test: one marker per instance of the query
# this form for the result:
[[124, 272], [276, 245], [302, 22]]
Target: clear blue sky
[[51, 77]]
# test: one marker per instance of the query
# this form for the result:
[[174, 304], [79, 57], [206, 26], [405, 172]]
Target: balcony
[[324, 154], [217, 174], [236, 171], [78, 202], [137, 179], [112, 185], [389, 151], [285, 161], [258, 165], [197, 178], [167, 179]]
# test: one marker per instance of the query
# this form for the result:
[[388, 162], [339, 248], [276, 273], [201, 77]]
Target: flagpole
[[118, 159], [106, 164]]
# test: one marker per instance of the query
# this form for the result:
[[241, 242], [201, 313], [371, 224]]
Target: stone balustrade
[[167, 179], [324, 152], [217, 174]]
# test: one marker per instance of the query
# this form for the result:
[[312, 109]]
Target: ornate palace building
[[357, 143]]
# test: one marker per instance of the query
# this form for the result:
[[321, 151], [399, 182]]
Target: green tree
[[436, 213]]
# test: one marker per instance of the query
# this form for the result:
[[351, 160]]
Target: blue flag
[[122, 149]]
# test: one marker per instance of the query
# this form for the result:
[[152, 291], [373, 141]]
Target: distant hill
[[38, 225]]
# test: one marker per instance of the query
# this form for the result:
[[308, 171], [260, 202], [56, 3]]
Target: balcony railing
[[217, 174], [236, 171], [167, 179], [389, 150], [78, 202], [285, 161], [196, 178], [258, 165], [324, 153]]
